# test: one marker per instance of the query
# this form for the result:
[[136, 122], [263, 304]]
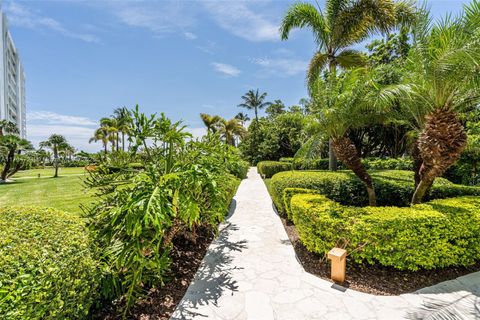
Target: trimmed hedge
[[290, 160], [392, 187], [437, 234], [268, 168], [46, 266], [288, 193], [369, 163], [311, 164]]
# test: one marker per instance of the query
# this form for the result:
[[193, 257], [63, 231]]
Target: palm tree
[[101, 134], [55, 143], [252, 100], [441, 79], [111, 126], [242, 117], [275, 108], [344, 103], [341, 25], [123, 117], [8, 127], [12, 144], [230, 130], [210, 121]]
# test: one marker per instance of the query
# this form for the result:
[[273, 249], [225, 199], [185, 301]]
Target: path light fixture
[[338, 257]]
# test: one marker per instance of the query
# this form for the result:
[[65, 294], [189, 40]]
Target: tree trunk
[[55, 160], [123, 141], [417, 162], [347, 153], [118, 141], [8, 164], [332, 159], [440, 144]]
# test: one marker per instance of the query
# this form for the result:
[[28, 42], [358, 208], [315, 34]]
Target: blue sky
[[82, 59]]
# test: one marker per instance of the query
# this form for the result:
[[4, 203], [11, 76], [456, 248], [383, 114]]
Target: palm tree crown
[[253, 100]]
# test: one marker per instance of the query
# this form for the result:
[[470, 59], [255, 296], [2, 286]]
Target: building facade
[[12, 81]]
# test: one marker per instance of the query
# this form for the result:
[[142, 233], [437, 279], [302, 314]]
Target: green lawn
[[65, 192], [49, 172]]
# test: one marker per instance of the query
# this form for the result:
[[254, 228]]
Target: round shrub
[[46, 266], [268, 168], [392, 187], [437, 234]]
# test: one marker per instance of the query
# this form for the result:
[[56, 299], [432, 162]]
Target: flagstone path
[[251, 272]]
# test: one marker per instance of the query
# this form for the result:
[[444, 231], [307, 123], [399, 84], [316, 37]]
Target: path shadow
[[214, 275], [454, 299]]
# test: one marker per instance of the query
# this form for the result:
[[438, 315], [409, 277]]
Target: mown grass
[[65, 193], [49, 172]]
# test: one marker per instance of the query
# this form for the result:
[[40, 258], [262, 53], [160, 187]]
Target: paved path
[[251, 272]]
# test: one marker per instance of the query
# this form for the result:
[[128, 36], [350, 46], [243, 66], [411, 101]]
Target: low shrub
[[393, 187], [46, 270], [290, 160], [268, 168], [238, 168], [310, 164], [388, 164], [436, 234], [288, 193]]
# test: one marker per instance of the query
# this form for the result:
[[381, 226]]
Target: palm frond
[[455, 306], [317, 63], [349, 58]]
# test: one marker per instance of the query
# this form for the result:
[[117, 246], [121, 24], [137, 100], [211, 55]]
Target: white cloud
[[55, 118], [77, 136], [22, 16], [238, 19], [281, 66], [190, 35], [226, 69], [197, 132]]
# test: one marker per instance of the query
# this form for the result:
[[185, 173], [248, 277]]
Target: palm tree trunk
[[332, 159], [55, 159], [8, 164], [417, 163], [348, 154], [118, 140], [123, 141]]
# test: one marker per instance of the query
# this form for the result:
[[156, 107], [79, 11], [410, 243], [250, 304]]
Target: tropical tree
[[242, 117], [11, 145], [55, 143], [111, 126], [341, 25], [253, 100], [123, 118], [231, 130], [8, 127], [275, 108], [101, 134], [344, 103], [211, 121], [441, 79]]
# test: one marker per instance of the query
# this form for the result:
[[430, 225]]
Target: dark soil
[[161, 302], [374, 279]]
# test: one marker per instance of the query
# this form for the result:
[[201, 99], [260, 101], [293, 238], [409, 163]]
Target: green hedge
[[369, 163], [437, 234], [268, 168], [311, 164], [393, 187], [46, 267], [288, 193], [290, 160], [238, 168]]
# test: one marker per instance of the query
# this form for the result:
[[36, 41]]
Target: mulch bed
[[374, 279], [160, 303]]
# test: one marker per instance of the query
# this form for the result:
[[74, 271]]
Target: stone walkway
[[251, 272]]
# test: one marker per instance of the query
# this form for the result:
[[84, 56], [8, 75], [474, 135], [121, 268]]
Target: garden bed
[[160, 303], [374, 279]]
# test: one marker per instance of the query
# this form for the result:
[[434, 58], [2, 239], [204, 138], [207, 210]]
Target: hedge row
[[437, 234], [369, 163], [393, 187], [268, 168], [46, 268]]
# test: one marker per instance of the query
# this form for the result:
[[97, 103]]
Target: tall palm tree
[[441, 78], [230, 130], [275, 108], [55, 143], [242, 117], [8, 127], [101, 134], [123, 117], [12, 144], [252, 100], [210, 121], [341, 25]]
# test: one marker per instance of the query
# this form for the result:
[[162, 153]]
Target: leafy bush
[[393, 187], [46, 270], [310, 164], [288, 193], [437, 234], [268, 168], [290, 160], [388, 164]]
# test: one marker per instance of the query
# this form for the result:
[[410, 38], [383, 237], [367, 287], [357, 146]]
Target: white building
[[12, 81]]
